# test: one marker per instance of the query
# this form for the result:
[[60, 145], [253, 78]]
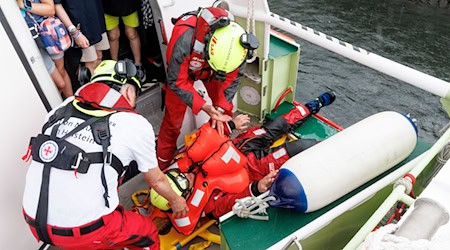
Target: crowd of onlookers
[[96, 28]]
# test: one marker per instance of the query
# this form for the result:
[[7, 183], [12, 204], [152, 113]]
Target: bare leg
[[67, 90], [93, 64], [135, 43], [113, 37], [58, 80]]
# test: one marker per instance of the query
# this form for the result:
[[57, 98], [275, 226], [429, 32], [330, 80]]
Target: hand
[[179, 207], [265, 183], [217, 118], [82, 41], [241, 121], [20, 3]]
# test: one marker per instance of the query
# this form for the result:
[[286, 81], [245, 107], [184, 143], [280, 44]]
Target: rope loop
[[253, 207]]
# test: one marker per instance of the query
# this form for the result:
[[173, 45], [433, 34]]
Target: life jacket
[[204, 21], [94, 103], [219, 166]]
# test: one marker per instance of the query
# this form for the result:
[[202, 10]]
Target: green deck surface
[[238, 233], [313, 128], [279, 48]]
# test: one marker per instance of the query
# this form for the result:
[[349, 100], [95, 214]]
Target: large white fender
[[334, 167]]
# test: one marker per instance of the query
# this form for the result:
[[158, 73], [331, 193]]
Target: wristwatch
[[27, 5], [72, 30], [221, 110]]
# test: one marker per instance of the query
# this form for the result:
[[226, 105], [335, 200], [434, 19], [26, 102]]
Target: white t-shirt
[[77, 200]]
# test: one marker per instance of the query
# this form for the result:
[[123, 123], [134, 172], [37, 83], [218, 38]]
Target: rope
[[442, 157], [251, 21], [253, 207]]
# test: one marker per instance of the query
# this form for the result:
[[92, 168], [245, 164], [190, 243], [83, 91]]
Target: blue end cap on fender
[[288, 191], [413, 123]]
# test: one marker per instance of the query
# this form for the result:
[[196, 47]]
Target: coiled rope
[[253, 207]]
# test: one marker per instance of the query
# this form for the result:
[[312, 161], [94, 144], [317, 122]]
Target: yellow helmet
[[121, 72], [225, 51], [179, 183]]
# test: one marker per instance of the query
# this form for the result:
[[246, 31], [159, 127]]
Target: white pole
[[414, 77]]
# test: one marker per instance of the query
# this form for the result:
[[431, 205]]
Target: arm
[[157, 180], [178, 56], [80, 39], [240, 122], [44, 8], [224, 92], [223, 203]]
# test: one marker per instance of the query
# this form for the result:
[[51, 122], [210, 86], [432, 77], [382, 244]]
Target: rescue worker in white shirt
[[71, 193]]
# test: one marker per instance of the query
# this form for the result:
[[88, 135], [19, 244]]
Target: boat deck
[[238, 233]]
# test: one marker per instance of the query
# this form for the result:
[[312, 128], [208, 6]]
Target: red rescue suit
[[183, 70], [219, 166], [261, 159]]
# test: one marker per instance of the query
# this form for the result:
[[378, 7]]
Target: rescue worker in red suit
[[263, 161], [205, 45], [71, 193]]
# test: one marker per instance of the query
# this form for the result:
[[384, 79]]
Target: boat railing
[[399, 192], [399, 71]]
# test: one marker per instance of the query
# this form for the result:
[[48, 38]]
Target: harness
[[69, 157]]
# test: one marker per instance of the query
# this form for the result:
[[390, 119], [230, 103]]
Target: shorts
[[56, 57], [90, 53], [131, 20], [48, 62]]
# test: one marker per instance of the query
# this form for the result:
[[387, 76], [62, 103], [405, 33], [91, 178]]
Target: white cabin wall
[[23, 111]]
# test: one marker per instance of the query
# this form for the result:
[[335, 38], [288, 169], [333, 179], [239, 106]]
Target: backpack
[[54, 36]]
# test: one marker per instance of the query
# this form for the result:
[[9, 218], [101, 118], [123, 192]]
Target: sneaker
[[323, 100], [141, 75], [83, 75]]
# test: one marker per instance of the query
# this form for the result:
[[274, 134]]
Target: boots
[[323, 100]]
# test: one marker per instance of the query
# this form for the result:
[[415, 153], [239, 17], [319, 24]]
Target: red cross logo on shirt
[[48, 151]]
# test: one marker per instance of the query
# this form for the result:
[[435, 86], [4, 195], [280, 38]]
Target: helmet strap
[[220, 75]]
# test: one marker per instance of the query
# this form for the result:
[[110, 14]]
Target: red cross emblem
[[48, 151]]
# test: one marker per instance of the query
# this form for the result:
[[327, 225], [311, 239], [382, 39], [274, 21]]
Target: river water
[[414, 35]]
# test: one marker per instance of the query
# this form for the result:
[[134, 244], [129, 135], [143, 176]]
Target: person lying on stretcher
[[213, 171]]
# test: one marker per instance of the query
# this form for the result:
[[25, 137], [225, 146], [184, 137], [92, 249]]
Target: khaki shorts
[[131, 20], [90, 53]]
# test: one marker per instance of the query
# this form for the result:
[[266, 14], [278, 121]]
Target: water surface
[[400, 30]]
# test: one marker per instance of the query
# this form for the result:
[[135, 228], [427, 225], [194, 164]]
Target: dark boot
[[323, 100]]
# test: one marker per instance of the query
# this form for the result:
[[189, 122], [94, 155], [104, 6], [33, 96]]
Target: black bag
[[34, 31]]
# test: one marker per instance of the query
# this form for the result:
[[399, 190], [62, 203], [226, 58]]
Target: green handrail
[[397, 194]]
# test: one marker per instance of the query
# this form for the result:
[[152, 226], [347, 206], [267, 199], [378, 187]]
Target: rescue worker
[[71, 193], [205, 45], [263, 161]]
